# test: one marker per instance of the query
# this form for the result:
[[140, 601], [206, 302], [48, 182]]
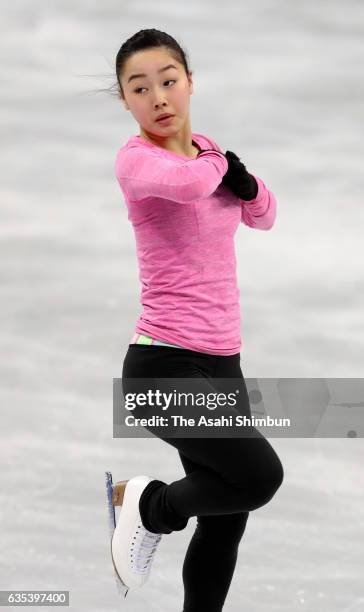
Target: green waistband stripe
[[148, 340], [144, 339]]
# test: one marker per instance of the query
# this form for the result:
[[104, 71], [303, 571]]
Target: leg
[[225, 479], [233, 474], [211, 557]]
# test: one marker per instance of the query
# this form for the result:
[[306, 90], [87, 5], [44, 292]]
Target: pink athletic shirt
[[184, 222]]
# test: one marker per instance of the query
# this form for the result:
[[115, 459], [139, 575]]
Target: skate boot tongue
[[145, 549]]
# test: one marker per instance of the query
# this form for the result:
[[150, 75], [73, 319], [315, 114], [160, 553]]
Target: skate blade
[[121, 586]]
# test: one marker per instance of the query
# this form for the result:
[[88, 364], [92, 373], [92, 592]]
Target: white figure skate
[[132, 545]]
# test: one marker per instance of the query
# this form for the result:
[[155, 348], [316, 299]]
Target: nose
[[159, 105], [160, 100]]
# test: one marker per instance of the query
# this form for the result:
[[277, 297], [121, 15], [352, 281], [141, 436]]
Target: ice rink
[[279, 83]]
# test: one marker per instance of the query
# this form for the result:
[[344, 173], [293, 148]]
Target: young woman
[[186, 200]]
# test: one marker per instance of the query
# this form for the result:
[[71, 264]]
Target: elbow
[[267, 226], [262, 221], [270, 216], [257, 223], [267, 221]]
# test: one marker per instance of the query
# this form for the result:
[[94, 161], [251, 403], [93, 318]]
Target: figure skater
[[186, 200]]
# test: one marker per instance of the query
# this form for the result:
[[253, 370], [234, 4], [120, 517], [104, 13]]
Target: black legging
[[225, 477]]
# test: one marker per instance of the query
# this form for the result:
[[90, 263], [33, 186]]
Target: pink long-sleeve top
[[184, 222]]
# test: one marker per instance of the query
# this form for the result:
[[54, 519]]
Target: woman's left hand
[[238, 179]]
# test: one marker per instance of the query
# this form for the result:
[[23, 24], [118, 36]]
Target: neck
[[180, 142]]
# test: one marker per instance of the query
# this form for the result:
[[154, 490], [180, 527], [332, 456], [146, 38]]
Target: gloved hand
[[238, 179]]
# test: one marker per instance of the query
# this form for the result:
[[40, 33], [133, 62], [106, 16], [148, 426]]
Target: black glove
[[238, 179]]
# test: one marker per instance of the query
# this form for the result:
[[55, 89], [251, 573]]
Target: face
[[161, 90]]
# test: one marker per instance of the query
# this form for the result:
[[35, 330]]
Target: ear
[[125, 104], [190, 82]]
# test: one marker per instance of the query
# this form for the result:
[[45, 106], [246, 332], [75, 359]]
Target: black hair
[[148, 39], [144, 39]]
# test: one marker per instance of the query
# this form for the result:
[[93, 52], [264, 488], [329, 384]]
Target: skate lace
[[143, 548]]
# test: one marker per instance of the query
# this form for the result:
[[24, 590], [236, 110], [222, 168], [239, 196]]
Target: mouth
[[164, 118]]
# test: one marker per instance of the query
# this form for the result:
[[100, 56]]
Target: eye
[[168, 81]]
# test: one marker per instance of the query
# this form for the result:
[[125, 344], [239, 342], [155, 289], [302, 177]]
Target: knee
[[263, 485], [269, 483]]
